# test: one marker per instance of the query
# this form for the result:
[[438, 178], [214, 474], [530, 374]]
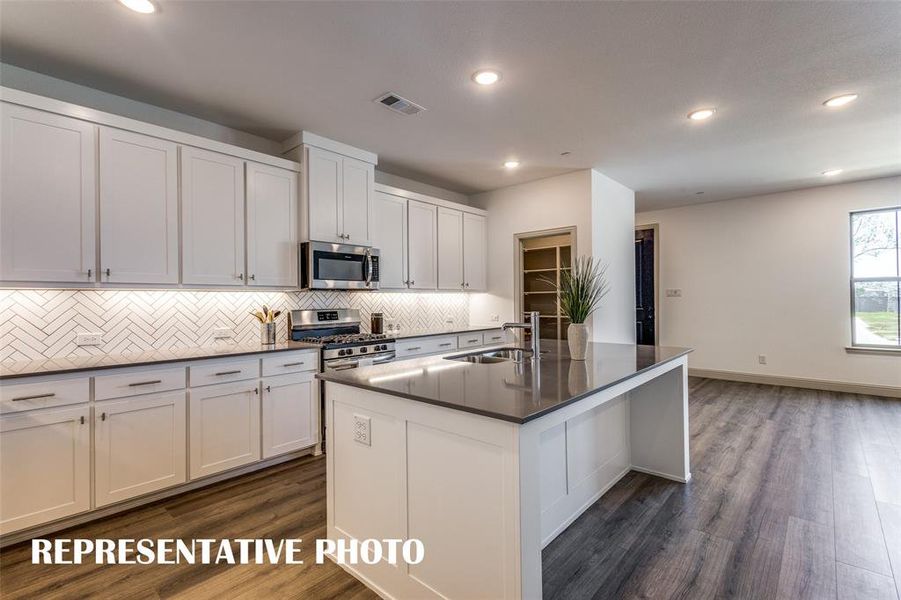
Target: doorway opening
[[543, 256], [646, 325]]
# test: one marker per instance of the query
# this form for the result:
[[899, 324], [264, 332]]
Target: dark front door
[[644, 286]]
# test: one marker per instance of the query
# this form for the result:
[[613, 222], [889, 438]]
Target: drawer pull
[[228, 372], [444, 345], [294, 364], [34, 397], [140, 383], [81, 419], [471, 341], [414, 348]]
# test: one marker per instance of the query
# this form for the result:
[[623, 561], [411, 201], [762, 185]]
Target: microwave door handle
[[368, 267]]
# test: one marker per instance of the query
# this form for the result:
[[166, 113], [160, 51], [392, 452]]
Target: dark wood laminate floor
[[796, 494]]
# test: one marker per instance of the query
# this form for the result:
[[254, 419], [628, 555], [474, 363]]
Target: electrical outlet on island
[[89, 339]]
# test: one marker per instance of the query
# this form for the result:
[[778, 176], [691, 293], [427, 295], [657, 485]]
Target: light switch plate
[[363, 430], [222, 332], [88, 339]]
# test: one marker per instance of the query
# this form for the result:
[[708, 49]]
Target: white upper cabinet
[[389, 235], [324, 183], [47, 197], [212, 207], [359, 179], [423, 245], [138, 208], [450, 249], [271, 226], [475, 248], [338, 197]]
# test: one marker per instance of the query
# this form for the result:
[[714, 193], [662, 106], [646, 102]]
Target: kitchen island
[[487, 462]]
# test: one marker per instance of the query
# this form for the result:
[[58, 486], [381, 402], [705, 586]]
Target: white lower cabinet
[[45, 461], [290, 413], [224, 427], [139, 445]]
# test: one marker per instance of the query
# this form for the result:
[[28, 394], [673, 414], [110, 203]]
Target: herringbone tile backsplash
[[38, 324]]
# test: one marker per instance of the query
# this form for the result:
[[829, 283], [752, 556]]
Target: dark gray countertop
[[418, 333], [507, 391], [74, 364]]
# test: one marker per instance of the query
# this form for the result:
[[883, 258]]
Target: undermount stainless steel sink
[[497, 355]]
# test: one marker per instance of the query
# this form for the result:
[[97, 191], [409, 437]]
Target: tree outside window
[[876, 278]]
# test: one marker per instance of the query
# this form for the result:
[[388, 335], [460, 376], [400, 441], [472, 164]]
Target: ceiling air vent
[[398, 104]]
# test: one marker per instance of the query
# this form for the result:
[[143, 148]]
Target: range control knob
[[342, 352], [363, 349]]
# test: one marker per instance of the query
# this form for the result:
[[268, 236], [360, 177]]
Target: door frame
[[655, 227], [517, 259]]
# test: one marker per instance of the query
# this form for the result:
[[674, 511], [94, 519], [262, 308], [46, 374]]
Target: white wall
[[419, 187], [561, 201], [66, 91], [613, 242], [769, 275], [601, 210]]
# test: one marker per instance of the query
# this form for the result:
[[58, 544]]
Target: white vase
[[577, 338]]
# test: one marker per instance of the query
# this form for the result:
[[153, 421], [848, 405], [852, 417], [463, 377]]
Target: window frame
[[896, 347]]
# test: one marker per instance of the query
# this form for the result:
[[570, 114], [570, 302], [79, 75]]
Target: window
[[875, 278]]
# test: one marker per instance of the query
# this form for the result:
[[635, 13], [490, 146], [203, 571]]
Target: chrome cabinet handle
[[228, 372], [81, 418], [412, 283], [444, 345], [241, 276], [90, 272], [140, 383], [256, 390], [471, 341], [411, 348], [294, 364], [347, 236], [107, 272], [103, 416], [253, 277], [38, 396], [268, 388]]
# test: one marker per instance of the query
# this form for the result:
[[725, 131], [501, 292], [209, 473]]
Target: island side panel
[[448, 478], [659, 425]]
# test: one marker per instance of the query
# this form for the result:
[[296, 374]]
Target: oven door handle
[[384, 359]]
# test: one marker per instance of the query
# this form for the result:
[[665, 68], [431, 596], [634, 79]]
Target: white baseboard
[[800, 382], [661, 475]]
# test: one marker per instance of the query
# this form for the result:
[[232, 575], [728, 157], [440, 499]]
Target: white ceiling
[[609, 82]]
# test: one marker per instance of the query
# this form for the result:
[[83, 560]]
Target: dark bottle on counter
[[377, 323]]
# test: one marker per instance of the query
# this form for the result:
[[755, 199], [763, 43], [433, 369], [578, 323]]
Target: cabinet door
[[389, 235], [474, 249], [290, 413], [450, 249], [212, 214], [357, 188], [225, 427], [139, 445], [271, 226], [324, 181], [45, 466], [423, 245], [47, 197], [138, 208]]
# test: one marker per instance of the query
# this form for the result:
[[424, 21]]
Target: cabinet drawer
[[134, 383], [293, 362], [494, 337], [469, 340], [209, 373], [42, 393], [427, 345]]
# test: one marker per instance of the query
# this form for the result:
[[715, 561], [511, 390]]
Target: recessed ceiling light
[[701, 114], [511, 164], [142, 6], [840, 100], [832, 172], [486, 77]]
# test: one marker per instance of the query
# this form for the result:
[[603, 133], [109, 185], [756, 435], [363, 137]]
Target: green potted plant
[[581, 290]]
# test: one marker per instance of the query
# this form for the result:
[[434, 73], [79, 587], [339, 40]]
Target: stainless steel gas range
[[342, 345]]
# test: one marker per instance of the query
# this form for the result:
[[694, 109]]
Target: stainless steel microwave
[[325, 266]]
